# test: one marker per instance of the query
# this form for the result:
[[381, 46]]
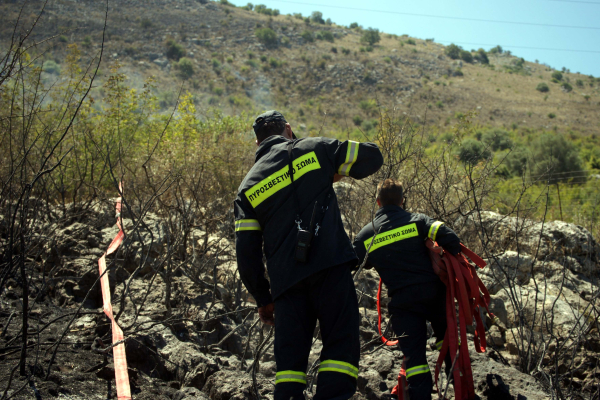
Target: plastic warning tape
[[119, 357]]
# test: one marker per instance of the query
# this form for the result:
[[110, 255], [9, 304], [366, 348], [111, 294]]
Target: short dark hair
[[390, 192], [268, 124], [270, 129]]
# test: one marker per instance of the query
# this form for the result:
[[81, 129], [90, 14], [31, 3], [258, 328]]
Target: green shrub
[[439, 104], [321, 64], [251, 63], [308, 36], [317, 17], [353, 25], [566, 86], [496, 50], [453, 51], [273, 62], [552, 155], [466, 56], [345, 51], [146, 23], [334, 50], [248, 7], [471, 151], [542, 87], [357, 120], [63, 39], [370, 36], [298, 16], [368, 106], [266, 36], [51, 67], [262, 9], [457, 72], [387, 59], [481, 57], [174, 50], [263, 58], [579, 83], [328, 36], [551, 115], [497, 139], [87, 42], [215, 63], [218, 91], [557, 75], [411, 42], [185, 67]]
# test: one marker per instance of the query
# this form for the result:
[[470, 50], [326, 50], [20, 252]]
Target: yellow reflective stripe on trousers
[[339, 366], [247, 225], [280, 179], [419, 369], [434, 229], [439, 345], [392, 236], [351, 156], [290, 376]]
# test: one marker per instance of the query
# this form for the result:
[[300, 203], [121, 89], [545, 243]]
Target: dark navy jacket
[[265, 210], [399, 253]]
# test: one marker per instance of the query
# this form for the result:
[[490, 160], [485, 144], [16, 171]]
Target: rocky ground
[[204, 342]]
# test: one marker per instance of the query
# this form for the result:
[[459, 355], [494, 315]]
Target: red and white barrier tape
[[120, 359]]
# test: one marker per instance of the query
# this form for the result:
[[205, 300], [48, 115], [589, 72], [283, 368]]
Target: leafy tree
[[51, 67], [370, 36], [553, 155], [566, 86], [185, 67], [496, 50], [557, 75], [174, 50], [317, 17], [497, 139], [453, 51], [308, 36], [353, 25], [466, 56], [518, 160], [542, 87], [266, 36], [481, 56], [471, 151], [326, 35]]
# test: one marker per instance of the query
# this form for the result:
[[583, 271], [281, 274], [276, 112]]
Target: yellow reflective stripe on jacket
[[389, 237], [351, 156], [290, 376], [433, 230], [280, 179], [419, 369], [339, 366], [247, 225], [439, 345]]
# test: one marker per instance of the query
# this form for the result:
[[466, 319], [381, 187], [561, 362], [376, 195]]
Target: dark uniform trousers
[[329, 297], [409, 321]]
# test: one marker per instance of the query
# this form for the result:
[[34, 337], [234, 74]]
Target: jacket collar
[[389, 209], [265, 145]]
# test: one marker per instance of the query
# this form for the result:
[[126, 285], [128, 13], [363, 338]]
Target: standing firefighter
[[401, 258], [309, 256]]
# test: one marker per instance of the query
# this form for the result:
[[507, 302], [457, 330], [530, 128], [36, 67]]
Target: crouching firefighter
[[400, 256], [294, 217]]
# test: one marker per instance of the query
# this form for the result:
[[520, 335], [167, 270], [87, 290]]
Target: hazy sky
[[575, 24]]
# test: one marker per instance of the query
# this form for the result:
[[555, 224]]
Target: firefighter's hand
[[265, 313], [337, 178]]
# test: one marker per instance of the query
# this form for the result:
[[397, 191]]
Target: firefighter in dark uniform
[[401, 258], [270, 210]]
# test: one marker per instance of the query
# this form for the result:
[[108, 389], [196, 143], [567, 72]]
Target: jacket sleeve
[[444, 236], [359, 246], [357, 160], [248, 248]]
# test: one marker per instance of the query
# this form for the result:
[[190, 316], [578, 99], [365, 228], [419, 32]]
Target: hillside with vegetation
[[151, 102]]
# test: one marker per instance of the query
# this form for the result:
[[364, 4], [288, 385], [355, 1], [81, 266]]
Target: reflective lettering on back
[[392, 236], [280, 179]]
